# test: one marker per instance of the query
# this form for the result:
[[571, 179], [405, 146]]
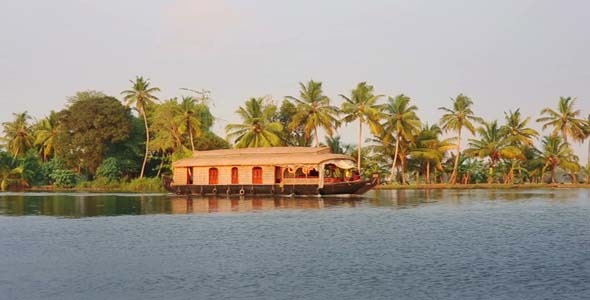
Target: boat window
[[213, 176], [234, 176], [257, 175]]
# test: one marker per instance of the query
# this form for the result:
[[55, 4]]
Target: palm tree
[[381, 149], [362, 105], [565, 120], [167, 139], [9, 172], [401, 120], [492, 144], [516, 131], [557, 153], [258, 128], [336, 145], [188, 121], [455, 119], [314, 111], [141, 96], [46, 134], [18, 134], [429, 148]]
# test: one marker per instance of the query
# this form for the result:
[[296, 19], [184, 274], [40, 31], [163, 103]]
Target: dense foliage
[[97, 141]]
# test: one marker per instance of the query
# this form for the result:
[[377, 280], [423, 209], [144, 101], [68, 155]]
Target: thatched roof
[[271, 156]]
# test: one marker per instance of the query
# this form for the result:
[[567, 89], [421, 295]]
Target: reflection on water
[[89, 205]]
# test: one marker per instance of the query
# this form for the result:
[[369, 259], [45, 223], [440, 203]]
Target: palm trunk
[[394, 159], [147, 143], [190, 133], [510, 178], [317, 139], [161, 165], [453, 178], [358, 159], [428, 172], [403, 167]]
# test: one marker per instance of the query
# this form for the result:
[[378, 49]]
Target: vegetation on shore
[[97, 143]]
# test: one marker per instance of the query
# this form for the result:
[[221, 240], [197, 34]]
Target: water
[[478, 244]]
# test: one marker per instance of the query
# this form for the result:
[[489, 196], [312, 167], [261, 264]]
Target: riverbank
[[144, 185], [480, 186]]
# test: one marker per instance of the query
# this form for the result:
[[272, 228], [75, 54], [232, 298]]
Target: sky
[[503, 54]]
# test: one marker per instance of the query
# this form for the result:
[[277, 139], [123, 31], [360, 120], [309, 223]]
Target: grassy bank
[[144, 185], [479, 186]]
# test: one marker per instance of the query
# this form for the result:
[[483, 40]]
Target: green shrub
[[109, 169], [144, 185], [64, 178]]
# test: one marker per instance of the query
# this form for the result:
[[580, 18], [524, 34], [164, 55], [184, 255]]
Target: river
[[407, 244]]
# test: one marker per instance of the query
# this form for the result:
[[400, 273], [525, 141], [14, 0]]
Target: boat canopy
[[342, 163], [269, 156]]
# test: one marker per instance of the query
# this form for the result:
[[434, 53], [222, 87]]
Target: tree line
[[97, 138]]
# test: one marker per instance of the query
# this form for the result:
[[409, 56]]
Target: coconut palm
[[492, 144], [362, 105], [141, 96], [9, 172], [18, 134], [314, 111], [456, 118], [336, 145], [167, 139], [46, 134], [557, 153], [258, 128], [401, 120], [188, 120], [516, 131], [429, 149], [565, 121]]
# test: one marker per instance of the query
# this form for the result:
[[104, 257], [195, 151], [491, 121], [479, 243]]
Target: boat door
[[213, 176], [189, 175], [257, 175]]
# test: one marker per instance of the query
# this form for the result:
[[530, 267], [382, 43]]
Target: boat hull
[[358, 187]]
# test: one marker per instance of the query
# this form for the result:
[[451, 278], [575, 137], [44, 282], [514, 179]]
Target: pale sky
[[503, 54]]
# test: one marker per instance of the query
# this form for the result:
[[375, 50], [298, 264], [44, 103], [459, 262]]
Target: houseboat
[[267, 171]]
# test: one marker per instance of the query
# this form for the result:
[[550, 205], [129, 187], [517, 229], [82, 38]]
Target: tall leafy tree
[[458, 116], [188, 120], [258, 128], [516, 131], [141, 95], [314, 111], [88, 128], [45, 135], [565, 120], [10, 172], [336, 145], [557, 153], [430, 149], [362, 106], [402, 122], [18, 134], [291, 136], [493, 145]]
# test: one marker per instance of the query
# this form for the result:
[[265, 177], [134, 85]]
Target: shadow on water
[[78, 205]]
